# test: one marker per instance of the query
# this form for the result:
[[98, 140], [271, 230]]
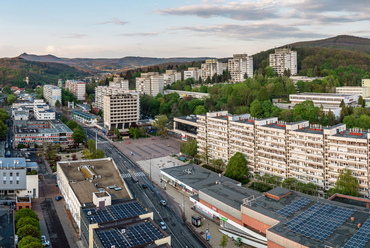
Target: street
[[150, 197]]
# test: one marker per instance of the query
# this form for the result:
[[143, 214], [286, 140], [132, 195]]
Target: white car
[[162, 225], [44, 241]]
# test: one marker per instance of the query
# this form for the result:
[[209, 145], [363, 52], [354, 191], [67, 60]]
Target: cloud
[[251, 32], [251, 10], [114, 21], [75, 36], [141, 34]]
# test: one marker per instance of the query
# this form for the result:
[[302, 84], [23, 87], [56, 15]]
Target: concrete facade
[[52, 94], [284, 59], [77, 88], [240, 65]]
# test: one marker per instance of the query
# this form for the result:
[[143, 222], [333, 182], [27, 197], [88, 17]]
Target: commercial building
[[351, 90], [121, 110], [210, 68], [119, 82], [309, 153], [40, 132], [23, 104], [82, 183], [240, 67], [15, 181], [150, 83], [193, 72], [52, 94], [42, 111], [77, 88], [20, 114], [101, 91], [187, 93], [325, 99], [185, 127], [85, 118], [284, 59]]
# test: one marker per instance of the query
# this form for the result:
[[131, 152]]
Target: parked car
[[163, 202], [58, 198], [144, 186], [44, 241], [162, 225]]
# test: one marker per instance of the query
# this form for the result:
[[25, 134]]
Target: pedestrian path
[[137, 174]]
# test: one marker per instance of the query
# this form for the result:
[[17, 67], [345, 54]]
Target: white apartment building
[[77, 88], [121, 110], [42, 111], [52, 94], [171, 76], [119, 82], [240, 65], [325, 99], [284, 59], [101, 91], [348, 90], [150, 84], [210, 68], [309, 153], [193, 72]]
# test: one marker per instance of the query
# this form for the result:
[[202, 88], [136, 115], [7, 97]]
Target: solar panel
[[319, 221], [142, 234], [361, 237], [112, 237], [98, 216], [294, 207], [127, 210]]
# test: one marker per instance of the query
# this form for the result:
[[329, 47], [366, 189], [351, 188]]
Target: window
[[4, 182], [11, 174], [17, 182], [4, 174], [17, 174], [11, 182]]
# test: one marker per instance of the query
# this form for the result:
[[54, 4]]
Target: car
[[162, 225], [163, 202], [58, 198], [44, 241], [144, 186]]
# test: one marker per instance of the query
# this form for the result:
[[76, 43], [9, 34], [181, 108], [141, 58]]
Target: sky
[[172, 28]]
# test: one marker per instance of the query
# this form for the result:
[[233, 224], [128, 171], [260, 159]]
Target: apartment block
[[121, 110], [119, 82], [325, 99], [77, 88], [240, 67], [284, 59], [52, 94], [41, 111], [171, 76], [348, 90], [210, 68], [101, 91], [307, 152], [193, 72], [150, 83]]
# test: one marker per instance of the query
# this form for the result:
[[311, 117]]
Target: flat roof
[[275, 125], [137, 233], [51, 126], [320, 94], [338, 238], [195, 176], [7, 232], [230, 194], [18, 162], [346, 134], [188, 118], [84, 114], [84, 189]]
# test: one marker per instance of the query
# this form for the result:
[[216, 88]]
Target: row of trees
[[90, 152], [28, 228]]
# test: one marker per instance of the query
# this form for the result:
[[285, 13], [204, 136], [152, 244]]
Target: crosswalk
[[137, 174]]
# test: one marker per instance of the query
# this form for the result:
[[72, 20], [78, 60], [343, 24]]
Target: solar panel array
[[319, 221], [99, 216], [142, 234], [127, 210], [361, 237], [112, 237], [294, 207]]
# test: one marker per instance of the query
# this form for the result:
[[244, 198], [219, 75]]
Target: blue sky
[[114, 29]]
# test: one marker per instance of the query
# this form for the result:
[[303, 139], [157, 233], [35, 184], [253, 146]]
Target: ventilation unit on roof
[[123, 231], [89, 213], [118, 188], [112, 187]]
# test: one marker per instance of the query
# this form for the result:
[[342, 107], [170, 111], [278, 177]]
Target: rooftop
[[13, 162], [56, 126], [230, 193], [349, 134], [106, 177], [188, 118], [7, 232], [84, 114], [195, 176], [321, 94], [130, 234]]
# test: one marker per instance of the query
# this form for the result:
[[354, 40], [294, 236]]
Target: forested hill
[[13, 71]]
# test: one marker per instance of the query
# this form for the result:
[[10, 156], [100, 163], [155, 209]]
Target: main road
[[181, 235]]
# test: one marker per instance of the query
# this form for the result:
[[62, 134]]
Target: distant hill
[[109, 65], [347, 42], [13, 71]]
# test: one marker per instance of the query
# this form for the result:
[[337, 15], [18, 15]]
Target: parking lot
[[147, 148]]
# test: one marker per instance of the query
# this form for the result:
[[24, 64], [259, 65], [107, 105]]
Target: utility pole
[[96, 143], [151, 167]]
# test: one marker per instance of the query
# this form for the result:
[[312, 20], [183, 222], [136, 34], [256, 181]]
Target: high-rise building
[[240, 67], [150, 83], [284, 59], [210, 68], [77, 88], [171, 76], [41, 111], [52, 94], [119, 82], [121, 110], [193, 72], [101, 91]]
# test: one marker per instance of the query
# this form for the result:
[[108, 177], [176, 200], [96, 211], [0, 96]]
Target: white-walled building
[[284, 59], [119, 82], [239, 66], [77, 88], [150, 83], [193, 72], [42, 111], [210, 68], [101, 91], [52, 94], [325, 99]]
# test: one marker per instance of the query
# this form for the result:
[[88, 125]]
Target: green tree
[[224, 240], [350, 121], [63, 119], [346, 184], [11, 98], [57, 104], [199, 110], [28, 220], [256, 109], [136, 133], [71, 124], [91, 145], [142, 132], [117, 132], [237, 167], [28, 230], [218, 164], [78, 135], [30, 242], [25, 212], [160, 125], [331, 118], [189, 147], [3, 115], [286, 115], [99, 154], [7, 90]]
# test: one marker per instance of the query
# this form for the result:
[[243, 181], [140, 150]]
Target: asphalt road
[[181, 235]]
